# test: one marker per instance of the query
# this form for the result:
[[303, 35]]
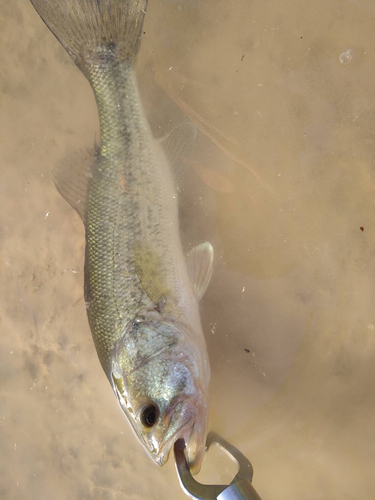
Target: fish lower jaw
[[161, 457]]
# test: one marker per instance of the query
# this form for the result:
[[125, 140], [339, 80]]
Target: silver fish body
[[141, 292]]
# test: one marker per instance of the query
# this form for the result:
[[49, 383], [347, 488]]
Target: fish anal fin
[[71, 176], [199, 264]]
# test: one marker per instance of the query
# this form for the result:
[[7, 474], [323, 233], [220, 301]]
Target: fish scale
[[115, 219], [141, 292]]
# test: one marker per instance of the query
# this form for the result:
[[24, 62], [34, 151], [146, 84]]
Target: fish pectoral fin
[[71, 176], [152, 274], [199, 264]]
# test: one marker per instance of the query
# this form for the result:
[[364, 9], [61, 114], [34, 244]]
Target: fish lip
[[186, 432], [162, 455]]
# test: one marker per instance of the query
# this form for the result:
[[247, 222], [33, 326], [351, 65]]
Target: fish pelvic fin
[[87, 27]]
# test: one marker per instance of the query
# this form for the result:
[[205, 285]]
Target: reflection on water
[[279, 177]]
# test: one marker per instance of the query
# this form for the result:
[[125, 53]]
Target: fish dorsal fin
[[178, 146], [199, 264], [152, 274], [71, 176], [178, 142]]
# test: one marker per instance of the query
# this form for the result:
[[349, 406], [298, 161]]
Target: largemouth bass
[[141, 292]]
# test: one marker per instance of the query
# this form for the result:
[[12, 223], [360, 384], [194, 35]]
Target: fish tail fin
[[87, 28]]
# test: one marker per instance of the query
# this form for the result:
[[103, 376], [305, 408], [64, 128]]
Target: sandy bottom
[[280, 178]]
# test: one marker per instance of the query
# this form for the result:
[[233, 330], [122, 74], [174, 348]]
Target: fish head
[[164, 398]]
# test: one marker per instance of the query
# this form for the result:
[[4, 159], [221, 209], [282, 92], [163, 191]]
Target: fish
[[142, 293]]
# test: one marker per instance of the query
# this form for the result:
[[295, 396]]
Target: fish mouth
[[159, 447], [179, 423], [162, 455], [193, 432], [187, 419]]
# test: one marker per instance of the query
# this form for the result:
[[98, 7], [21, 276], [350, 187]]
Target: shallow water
[[280, 178]]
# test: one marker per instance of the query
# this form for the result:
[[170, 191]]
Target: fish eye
[[149, 415]]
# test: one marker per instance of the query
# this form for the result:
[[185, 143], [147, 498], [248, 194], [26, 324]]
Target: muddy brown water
[[280, 177]]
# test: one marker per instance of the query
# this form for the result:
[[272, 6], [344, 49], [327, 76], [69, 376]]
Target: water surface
[[280, 178]]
